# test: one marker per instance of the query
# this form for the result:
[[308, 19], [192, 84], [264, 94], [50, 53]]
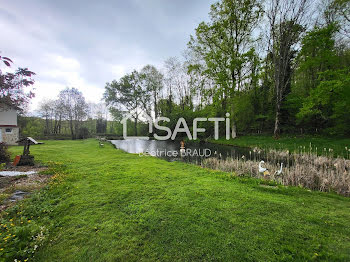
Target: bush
[[83, 133], [4, 153]]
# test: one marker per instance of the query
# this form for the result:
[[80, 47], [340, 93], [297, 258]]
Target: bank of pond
[[303, 167]]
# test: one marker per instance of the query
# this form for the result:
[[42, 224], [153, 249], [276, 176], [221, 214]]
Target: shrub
[[83, 133], [4, 153]]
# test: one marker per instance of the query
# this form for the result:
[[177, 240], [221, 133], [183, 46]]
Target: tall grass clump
[[304, 168]]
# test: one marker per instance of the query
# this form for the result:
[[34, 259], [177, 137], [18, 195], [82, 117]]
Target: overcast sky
[[85, 44]]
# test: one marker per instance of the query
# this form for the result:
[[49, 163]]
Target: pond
[[194, 152]]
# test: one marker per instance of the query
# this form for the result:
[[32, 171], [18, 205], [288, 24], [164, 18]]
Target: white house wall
[[9, 138]]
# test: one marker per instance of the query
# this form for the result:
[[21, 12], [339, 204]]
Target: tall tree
[[176, 82], [200, 84], [47, 111], [153, 81], [127, 95], [226, 45], [285, 19], [74, 108], [58, 115]]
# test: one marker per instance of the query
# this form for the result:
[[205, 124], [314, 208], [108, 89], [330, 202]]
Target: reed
[[304, 168]]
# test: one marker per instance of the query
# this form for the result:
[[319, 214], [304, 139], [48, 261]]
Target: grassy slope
[[118, 206], [291, 143]]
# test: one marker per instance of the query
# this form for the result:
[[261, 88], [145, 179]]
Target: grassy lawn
[[114, 206], [291, 143]]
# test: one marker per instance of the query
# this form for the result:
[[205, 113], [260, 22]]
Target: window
[[8, 130]]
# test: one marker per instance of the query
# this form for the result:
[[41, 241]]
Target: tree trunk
[[55, 127], [233, 131], [51, 125], [59, 126], [276, 131], [233, 125], [135, 127], [47, 128], [155, 105], [71, 129]]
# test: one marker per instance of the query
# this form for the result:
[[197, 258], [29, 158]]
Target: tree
[[329, 102], [338, 12], [200, 84], [127, 95], [177, 83], [74, 108], [285, 20], [101, 126], [226, 46], [317, 55], [58, 115], [5, 155], [47, 110], [12, 86], [153, 81]]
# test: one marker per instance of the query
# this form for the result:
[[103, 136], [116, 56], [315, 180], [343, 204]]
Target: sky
[[84, 44]]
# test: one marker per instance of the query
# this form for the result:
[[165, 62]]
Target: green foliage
[[83, 133], [329, 102], [340, 146], [35, 126], [319, 96], [244, 111], [20, 236], [126, 92], [31, 126], [225, 44], [15, 88], [317, 55], [101, 125], [4, 154]]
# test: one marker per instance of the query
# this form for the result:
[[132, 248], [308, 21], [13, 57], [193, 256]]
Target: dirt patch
[[26, 184], [25, 168], [32, 181]]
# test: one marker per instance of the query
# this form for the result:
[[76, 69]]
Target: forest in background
[[278, 67]]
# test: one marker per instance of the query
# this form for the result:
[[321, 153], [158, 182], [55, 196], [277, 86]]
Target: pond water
[[194, 152]]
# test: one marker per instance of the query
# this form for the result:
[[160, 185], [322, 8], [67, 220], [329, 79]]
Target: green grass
[[114, 206], [292, 143]]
